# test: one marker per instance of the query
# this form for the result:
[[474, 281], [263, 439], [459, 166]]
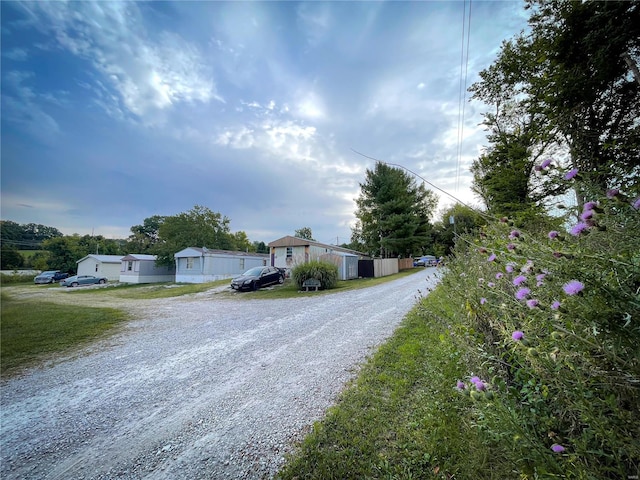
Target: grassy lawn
[[31, 329], [401, 417]]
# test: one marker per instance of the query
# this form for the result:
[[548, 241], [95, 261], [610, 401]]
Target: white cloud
[[149, 74], [24, 106], [17, 54]]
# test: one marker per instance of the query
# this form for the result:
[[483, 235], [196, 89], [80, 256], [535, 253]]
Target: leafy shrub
[[326, 272], [549, 323]]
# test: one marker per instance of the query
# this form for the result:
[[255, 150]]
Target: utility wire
[[462, 97], [480, 212]]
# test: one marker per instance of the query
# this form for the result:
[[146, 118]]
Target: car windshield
[[47, 274], [253, 272]]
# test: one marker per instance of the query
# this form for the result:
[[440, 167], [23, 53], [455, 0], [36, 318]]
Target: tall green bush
[[550, 325], [326, 272]]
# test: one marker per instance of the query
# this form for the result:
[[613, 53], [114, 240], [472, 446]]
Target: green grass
[[32, 330], [401, 418]]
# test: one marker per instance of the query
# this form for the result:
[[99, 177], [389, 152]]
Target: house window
[[190, 263], [129, 266], [242, 264], [96, 267], [289, 252]]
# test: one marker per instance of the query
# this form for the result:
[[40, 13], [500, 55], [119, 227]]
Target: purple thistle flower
[[491, 258], [533, 303], [571, 174], [589, 206], [587, 215], [483, 301], [555, 305], [522, 293], [579, 228], [546, 163], [475, 379], [514, 234], [491, 284], [499, 275], [553, 234], [517, 335], [538, 168], [479, 385], [573, 287], [557, 448], [511, 246], [613, 192], [509, 268], [519, 280], [636, 203], [460, 385]]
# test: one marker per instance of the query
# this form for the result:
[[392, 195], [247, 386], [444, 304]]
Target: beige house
[[287, 252]]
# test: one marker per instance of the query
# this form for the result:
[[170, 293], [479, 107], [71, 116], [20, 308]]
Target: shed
[[287, 252], [141, 268], [200, 265], [101, 266]]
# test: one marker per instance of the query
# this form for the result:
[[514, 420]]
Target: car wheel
[[102, 281], [254, 286], [75, 284]]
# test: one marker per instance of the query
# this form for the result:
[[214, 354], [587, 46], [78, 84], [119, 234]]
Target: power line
[[462, 93], [480, 212]]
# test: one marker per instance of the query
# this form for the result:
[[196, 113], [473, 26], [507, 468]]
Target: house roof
[[103, 258], [210, 251], [138, 256], [290, 241]]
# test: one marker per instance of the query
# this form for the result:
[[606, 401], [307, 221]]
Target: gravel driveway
[[197, 387]]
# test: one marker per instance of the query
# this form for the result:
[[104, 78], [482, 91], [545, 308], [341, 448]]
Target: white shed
[[141, 268], [200, 265], [100, 266]]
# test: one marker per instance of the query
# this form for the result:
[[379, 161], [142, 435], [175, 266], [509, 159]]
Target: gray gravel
[[197, 387]]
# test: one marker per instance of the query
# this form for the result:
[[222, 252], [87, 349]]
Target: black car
[[257, 277], [50, 276]]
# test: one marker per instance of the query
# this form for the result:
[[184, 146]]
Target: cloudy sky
[[116, 111]]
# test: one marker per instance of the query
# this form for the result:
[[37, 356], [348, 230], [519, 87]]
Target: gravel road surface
[[196, 387]]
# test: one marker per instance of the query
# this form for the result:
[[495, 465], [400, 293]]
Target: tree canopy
[[569, 88], [199, 227], [393, 213], [304, 232]]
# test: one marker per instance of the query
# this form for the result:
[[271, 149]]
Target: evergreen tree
[[393, 213]]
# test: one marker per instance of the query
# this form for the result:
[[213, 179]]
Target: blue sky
[[116, 111]]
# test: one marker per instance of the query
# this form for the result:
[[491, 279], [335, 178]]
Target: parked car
[[82, 280], [257, 277], [50, 276], [426, 261]]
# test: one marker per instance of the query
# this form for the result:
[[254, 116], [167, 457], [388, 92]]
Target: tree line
[[157, 235]]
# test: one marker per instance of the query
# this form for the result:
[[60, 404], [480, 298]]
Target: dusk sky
[[116, 111]]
